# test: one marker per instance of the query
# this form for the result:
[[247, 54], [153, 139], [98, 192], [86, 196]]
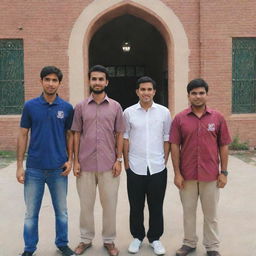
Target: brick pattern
[[210, 25]]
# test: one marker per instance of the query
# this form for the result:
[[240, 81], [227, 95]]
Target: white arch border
[[174, 26]]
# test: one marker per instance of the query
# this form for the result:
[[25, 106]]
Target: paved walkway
[[237, 214]]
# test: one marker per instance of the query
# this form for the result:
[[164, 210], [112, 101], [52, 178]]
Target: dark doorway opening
[[147, 56]]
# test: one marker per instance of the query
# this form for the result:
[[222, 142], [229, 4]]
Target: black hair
[[145, 79], [196, 83], [47, 70], [98, 68]]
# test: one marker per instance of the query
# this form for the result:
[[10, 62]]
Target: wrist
[[119, 159], [224, 172]]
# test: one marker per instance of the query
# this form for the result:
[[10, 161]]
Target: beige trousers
[[209, 197], [108, 191]]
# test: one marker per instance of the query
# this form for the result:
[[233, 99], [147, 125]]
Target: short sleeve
[[167, 125], [68, 122], [127, 125], [223, 134], [175, 132], [77, 124], [26, 121], [119, 121]]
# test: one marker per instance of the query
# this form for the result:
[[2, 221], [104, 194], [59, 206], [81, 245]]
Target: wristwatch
[[119, 159], [224, 172]]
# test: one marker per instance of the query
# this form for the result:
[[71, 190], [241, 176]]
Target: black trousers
[[152, 188]]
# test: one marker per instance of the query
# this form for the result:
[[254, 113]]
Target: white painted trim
[[163, 13]]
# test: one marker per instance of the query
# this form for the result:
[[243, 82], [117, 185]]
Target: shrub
[[237, 145]]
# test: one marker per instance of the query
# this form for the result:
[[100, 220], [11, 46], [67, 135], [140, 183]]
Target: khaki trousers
[[108, 191], [209, 197]]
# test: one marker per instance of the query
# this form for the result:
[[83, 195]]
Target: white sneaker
[[158, 247], [134, 246]]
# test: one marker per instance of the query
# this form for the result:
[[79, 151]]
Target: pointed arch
[[153, 11]]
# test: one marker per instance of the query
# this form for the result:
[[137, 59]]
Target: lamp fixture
[[126, 46]]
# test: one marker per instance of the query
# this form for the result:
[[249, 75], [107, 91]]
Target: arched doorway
[[155, 12], [147, 56]]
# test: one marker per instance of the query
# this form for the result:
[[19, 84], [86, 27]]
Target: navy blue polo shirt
[[48, 124]]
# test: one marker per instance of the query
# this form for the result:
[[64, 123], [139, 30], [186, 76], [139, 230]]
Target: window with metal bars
[[11, 76], [244, 75]]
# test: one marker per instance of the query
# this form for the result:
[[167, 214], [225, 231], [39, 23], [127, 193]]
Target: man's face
[[50, 84], [98, 82], [198, 97], [146, 92]]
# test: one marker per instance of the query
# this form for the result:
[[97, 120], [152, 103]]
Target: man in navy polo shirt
[[49, 160]]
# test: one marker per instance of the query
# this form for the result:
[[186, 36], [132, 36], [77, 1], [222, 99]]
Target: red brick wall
[[210, 26], [219, 22]]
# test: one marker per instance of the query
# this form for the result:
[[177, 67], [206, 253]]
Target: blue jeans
[[35, 180]]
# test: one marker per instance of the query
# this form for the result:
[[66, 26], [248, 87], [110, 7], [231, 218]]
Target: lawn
[[7, 157]]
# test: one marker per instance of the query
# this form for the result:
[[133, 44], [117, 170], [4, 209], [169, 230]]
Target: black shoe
[[27, 253], [66, 251], [184, 250], [213, 253]]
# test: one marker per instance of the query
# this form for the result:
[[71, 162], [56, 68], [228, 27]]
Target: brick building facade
[[199, 36]]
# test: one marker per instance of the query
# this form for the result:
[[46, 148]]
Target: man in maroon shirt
[[98, 127], [199, 139]]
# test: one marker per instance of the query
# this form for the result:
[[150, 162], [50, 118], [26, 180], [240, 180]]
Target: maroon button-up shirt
[[98, 124], [200, 139]]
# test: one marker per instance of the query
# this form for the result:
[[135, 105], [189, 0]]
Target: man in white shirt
[[146, 150]]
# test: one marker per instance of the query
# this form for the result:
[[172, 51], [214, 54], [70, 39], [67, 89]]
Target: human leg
[[86, 187], [156, 187], [209, 196], [33, 194], [136, 188], [189, 199], [57, 185]]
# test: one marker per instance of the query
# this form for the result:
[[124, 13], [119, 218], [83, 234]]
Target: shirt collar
[[138, 106], [90, 99], [189, 110], [43, 101]]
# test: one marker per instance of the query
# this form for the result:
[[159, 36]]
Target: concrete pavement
[[237, 217]]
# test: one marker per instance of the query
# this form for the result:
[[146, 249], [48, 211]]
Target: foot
[[111, 248], [66, 251], [158, 247], [184, 250], [213, 253], [27, 253], [80, 249], [134, 246]]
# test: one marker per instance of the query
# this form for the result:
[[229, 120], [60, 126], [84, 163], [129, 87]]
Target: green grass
[[248, 156], [6, 158]]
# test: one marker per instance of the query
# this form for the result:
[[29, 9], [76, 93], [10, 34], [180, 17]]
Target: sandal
[[80, 249]]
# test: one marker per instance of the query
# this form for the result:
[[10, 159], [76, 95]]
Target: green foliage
[[6, 157], [237, 145]]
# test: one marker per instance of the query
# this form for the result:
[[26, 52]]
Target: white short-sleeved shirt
[[147, 131]]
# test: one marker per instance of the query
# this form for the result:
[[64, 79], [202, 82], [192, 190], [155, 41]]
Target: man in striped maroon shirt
[[98, 127], [199, 141]]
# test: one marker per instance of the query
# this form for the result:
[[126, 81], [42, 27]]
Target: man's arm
[[125, 153], [166, 151], [222, 179], [175, 153], [76, 167], [119, 148], [68, 164], [21, 149]]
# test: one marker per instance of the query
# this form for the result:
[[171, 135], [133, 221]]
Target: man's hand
[[67, 168], [20, 175], [76, 169], [117, 168], [179, 181], [222, 181]]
